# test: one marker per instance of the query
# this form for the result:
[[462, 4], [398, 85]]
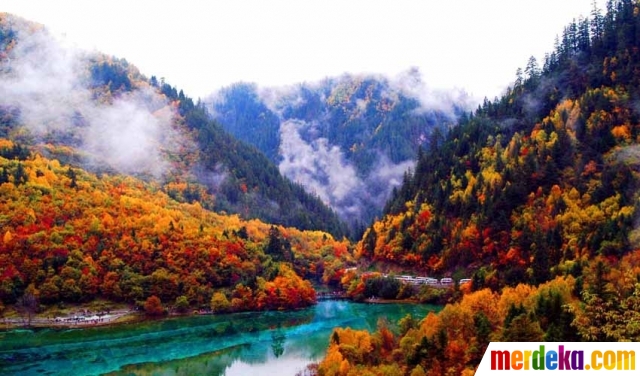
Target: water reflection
[[277, 344], [239, 344]]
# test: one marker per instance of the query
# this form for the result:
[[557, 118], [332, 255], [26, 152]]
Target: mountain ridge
[[118, 120], [70, 236], [533, 199], [350, 138]]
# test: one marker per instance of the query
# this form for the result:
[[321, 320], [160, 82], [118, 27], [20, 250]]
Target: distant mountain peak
[[348, 139]]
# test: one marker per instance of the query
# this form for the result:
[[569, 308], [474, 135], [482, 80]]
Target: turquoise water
[[253, 343]]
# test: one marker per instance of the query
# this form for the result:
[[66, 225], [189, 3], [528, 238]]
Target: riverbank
[[98, 312], [247, 343], [75, 321], [390, 301], [86, 316]]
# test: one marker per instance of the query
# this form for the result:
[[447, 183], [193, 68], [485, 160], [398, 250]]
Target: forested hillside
[[540, 178], [349, 139], [535, 196], [118, 121], [108, 182], [244, 181], [71, 236], [118, 186]]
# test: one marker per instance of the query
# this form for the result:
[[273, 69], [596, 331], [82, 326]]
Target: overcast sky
[[200, 46]]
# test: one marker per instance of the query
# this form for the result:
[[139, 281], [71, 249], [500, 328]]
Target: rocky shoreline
[[70, 321]]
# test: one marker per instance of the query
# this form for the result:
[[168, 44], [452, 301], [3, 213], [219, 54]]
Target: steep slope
[[117, 120], [245, 181], [71, 236], [348, 139], [535, 181], [536, 196]]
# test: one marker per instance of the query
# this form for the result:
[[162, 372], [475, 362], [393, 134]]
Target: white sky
[[200, 46]]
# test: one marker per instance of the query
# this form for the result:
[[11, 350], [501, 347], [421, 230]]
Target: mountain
[[72, 236], [349, 139], [533, 197], [244, 181], [535, 181], [118, 121], [108, 186]]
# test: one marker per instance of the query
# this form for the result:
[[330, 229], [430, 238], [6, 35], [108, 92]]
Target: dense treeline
[[453, 341], [529, 182], [239, 110], [253, 186], [366, 116], [70, 236], [372, 122], [211, 166], [534, 194]]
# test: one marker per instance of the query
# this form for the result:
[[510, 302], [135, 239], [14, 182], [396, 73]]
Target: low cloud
[[129, 137], [323, 170], [318, 166], [310, 155], [410, 83], [50, 85], [278, 98], [212, 178]]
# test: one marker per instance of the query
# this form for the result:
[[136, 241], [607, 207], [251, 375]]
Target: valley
[[351, 140], [232, 344], [250, 230]]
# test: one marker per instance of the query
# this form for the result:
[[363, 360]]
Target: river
[[251, 343]]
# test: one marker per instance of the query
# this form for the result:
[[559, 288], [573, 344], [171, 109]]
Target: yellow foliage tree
[[7, 237]]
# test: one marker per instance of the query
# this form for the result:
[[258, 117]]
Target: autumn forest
[[532, 196]]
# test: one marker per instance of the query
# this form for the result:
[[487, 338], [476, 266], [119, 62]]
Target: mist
[[324, 171], [50, 84], [308, 151], [410, 83], [321, 168]]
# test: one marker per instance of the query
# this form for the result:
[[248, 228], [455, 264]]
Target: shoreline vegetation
[[390, 301], [91, 314], [370, 288], [44, 322], [84, 316]]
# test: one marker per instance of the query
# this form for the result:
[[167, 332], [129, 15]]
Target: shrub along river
[[251, 343]]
